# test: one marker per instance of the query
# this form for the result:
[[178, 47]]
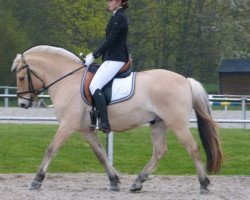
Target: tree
[[14, 39], [81, 22], [188, 37], [233, 27]]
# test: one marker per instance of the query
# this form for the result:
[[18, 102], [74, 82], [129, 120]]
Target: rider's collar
[[119, 7]]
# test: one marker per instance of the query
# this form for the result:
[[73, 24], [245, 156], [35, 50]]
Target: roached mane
[[47, 49], [54, 50]]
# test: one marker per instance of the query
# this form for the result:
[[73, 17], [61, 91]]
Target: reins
[[45, 88], [31, 87]]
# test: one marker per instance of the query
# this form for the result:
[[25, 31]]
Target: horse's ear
[[16, 62]]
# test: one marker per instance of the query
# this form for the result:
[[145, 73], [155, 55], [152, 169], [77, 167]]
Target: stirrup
[[104, 127], [93, 117]]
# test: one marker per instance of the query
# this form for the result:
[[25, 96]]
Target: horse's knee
[[50, 151], [160, 152]]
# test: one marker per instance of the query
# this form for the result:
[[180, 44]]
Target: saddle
[[124, 72]]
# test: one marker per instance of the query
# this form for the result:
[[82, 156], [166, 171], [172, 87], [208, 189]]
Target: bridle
[[30, 83]]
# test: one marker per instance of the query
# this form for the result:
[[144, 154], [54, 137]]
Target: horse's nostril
[[22, 105]]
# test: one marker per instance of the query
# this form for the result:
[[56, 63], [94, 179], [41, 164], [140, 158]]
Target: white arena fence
[[109, 142], [226, 99]]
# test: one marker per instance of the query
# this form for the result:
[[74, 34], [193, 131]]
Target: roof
[[235, 66]]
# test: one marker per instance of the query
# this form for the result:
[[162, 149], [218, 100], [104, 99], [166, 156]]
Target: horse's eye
[[21, 78]]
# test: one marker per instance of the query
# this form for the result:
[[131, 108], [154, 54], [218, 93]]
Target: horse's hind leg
[[93, 140], [158, 132], [185, 137], [60, 137]]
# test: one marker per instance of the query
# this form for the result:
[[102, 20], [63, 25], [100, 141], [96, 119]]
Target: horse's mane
[[54, 50], [47, 49]]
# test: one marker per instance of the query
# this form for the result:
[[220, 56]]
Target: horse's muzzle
[[24, 103]]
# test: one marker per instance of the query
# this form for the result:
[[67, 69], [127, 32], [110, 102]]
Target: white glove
[[89, 59]]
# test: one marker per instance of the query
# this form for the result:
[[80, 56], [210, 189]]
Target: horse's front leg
[[61, 135], [93, 140]]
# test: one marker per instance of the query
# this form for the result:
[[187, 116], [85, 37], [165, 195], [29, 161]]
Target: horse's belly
[[129, 120]]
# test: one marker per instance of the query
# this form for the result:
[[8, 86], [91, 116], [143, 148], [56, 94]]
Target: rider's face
[[113, 4]]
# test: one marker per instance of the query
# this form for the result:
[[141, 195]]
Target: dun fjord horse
[[162, 98]]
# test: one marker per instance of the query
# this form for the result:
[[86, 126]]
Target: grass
[[22, 148]]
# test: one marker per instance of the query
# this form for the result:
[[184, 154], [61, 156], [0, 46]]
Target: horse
[[162, 98]]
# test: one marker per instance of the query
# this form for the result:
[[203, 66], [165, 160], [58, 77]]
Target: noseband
[[30, 83]]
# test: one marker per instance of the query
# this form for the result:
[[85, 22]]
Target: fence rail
[[28, 118], [223, 100], [55, 119]]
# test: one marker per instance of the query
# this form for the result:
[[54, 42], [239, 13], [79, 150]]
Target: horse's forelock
[[16, 62]]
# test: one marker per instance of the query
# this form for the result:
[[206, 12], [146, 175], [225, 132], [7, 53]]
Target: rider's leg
[[101, 107], [103, 75]]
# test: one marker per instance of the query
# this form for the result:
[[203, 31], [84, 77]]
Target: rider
[[114, 54]]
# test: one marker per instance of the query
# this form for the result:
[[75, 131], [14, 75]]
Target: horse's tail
[[208, 129]]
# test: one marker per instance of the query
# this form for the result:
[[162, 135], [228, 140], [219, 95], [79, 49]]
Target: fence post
[[243, 108], [6, 99], [109, 147], [225, 105]]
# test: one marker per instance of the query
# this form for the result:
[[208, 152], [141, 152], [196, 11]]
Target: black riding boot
[[101, 107]]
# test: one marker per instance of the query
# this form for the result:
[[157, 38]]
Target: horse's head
[[38, 67], [29, 84]]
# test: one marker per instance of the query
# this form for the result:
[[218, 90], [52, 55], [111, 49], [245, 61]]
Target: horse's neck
[[51, 68]]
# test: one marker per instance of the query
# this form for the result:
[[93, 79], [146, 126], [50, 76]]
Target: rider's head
[[114, 4], [124, 4]]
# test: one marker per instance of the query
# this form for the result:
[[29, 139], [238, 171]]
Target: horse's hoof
[[204, 190], [136, 187], [114, 189], [35, 185], [204, 184]]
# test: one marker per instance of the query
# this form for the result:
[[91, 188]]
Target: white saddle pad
[[123, 88]]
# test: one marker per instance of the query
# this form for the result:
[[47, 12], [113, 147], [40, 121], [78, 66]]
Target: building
[[234, 77]]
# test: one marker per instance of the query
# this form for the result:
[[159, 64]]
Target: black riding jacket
[[115, 47]]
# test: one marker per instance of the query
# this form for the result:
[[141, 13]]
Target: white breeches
[[104, 74]]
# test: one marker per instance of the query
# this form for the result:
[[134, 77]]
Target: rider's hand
[[89, 59]]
